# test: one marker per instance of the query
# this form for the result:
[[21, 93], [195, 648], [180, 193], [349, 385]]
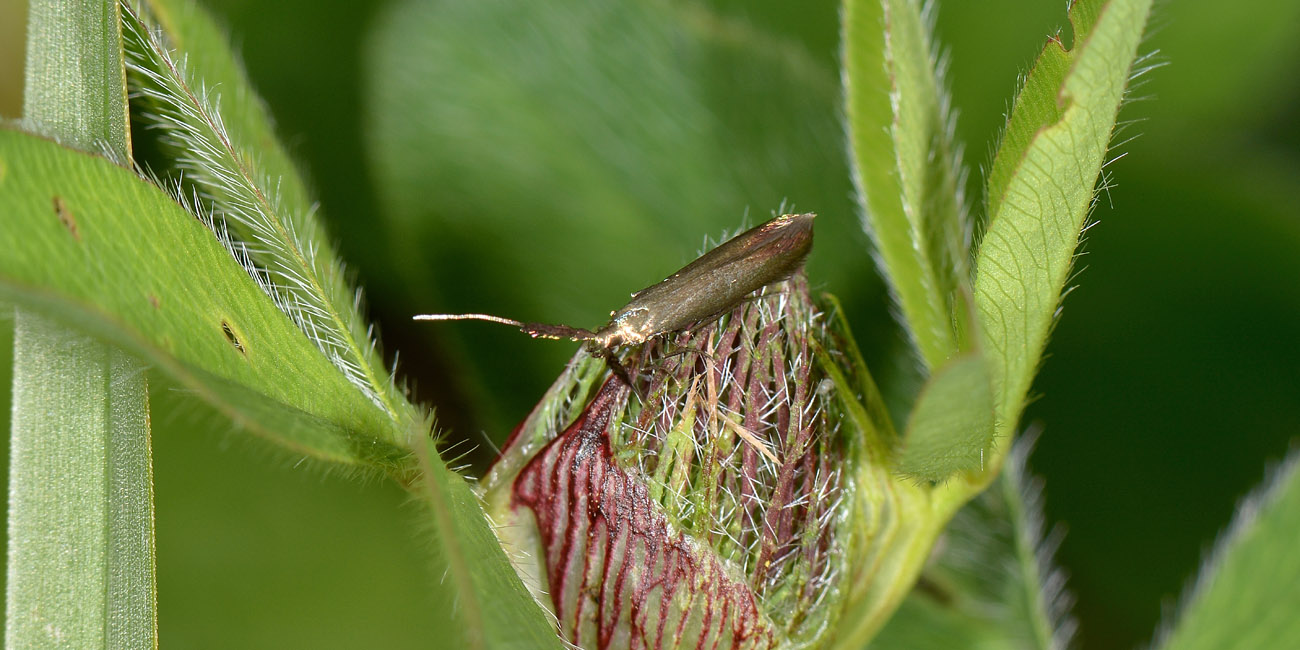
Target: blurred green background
[[541, 160]]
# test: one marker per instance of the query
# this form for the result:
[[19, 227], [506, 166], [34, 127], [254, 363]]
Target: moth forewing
[[713, 283]]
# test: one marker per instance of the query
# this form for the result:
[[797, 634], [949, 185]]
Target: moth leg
[[685, 351], [619, 371]]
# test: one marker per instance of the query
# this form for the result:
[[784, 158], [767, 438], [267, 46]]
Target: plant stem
[[80, 569]]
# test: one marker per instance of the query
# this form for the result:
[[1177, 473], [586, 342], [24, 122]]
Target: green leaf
[[142, 272], [951, 426], [1041, 188], [81, 543], [495, 609], [238, 171], [224, 149], [1249, 589], [93, 245], [905, 167], [894, 521], [991, 585], [855, 378]]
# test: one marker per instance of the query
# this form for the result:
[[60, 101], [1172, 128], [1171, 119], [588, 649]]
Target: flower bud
[[707, 505]]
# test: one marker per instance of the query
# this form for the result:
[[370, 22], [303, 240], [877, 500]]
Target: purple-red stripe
[[618, 576]]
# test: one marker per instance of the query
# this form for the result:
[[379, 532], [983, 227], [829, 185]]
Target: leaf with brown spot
[[65, 217]]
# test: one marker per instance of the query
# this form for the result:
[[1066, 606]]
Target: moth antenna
[[544, 331], [487, 317], [535, 330]]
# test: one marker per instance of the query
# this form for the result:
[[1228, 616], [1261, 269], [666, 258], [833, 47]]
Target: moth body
[[698, 293]]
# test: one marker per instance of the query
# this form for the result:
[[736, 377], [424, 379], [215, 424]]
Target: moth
[[695, 295]]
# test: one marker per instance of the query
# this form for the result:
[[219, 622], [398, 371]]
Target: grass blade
[[81, 571], [75, 88], [1042, 184], [81, 545], [132, 575], [905, 166]]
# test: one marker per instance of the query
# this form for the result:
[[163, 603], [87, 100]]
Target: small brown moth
[[700, 292]]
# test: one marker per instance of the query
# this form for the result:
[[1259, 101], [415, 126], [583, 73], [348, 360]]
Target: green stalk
[[81, 544], [81, 570]]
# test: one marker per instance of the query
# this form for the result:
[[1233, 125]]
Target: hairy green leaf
[[237, 171], [1042, 185], [224, 150], [93, 245], [951, 426], [188, 32], [895, 520], [905, 167], [494, 607], [1249, 589], [128, 264]]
